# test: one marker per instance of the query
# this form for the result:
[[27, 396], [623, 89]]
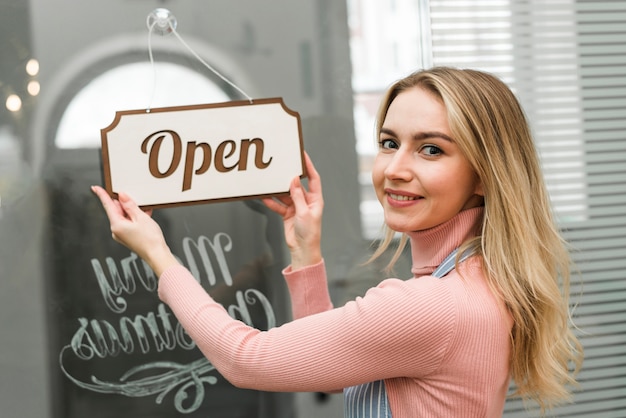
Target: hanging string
[[167, 24], [150, 28], [210, 67]]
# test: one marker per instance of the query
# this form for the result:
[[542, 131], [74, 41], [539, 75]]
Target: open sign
[[200, 153]]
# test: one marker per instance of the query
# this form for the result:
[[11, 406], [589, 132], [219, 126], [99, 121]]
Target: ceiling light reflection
[[32, 67], [14, 103], [33, 87]]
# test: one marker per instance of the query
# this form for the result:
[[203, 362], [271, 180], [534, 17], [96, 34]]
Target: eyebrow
[[420, 135]]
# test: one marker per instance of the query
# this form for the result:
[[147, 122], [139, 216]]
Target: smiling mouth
[[402, 197]]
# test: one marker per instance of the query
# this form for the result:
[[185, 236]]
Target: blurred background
[[82, 331]]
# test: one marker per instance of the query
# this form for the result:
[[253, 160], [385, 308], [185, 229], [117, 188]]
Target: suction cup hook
[[161, 21]]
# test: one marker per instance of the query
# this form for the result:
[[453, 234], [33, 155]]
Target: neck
[[431, 246]]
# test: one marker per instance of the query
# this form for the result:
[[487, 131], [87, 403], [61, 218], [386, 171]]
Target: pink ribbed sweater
[[442, 345]]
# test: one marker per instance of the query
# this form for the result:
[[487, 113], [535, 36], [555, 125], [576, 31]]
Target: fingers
[[315, 182], [122, 208], [279, 205], [130, 207], [101, 194], [274, 205], [298, 194], [111, 207]]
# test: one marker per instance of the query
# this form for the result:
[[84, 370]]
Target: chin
[[400, 227], [407, 227]]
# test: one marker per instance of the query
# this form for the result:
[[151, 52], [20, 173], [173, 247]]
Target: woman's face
[[420, 175]]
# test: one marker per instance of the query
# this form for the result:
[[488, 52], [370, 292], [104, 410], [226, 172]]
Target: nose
[[400, 166]]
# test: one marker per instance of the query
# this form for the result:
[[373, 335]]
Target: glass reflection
[[127, 87]]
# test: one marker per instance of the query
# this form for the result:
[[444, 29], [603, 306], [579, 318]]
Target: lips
[[400, 199]]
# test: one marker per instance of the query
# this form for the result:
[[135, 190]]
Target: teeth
[[400, 197]]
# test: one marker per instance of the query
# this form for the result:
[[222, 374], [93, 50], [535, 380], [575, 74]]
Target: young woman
[[458, 175]]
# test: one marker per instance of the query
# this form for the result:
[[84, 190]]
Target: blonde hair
[[524, 257]]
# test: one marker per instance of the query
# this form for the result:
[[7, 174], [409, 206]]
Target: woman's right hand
[[136, 230], [302, 216]]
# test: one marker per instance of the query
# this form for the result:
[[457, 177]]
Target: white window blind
[[566, 61]]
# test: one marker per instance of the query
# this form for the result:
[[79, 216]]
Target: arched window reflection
[[127, 87]]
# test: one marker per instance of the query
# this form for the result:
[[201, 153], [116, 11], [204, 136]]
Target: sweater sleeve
[[308, 290], [365, 340]]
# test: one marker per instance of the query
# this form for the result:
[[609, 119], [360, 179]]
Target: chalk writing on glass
[[155, 332]]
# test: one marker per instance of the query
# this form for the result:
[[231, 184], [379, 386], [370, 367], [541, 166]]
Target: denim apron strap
[[447, 265], [369, 400]]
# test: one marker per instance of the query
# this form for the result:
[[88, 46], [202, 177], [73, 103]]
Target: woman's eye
[[431, 150], [387, 144]]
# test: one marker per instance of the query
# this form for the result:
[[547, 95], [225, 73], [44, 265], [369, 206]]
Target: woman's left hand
[[302, 217]]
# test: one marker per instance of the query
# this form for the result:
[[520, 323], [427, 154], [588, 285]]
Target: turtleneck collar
[[431, 246]]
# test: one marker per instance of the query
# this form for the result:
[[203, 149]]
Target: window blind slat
[[609, 178], [608, 307], [600, 6], [612, 16], [603, 168], [602, 243], [605, 27], [612, 59], [603, 157]]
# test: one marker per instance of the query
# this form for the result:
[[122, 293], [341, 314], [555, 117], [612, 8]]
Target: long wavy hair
[[525, 258]]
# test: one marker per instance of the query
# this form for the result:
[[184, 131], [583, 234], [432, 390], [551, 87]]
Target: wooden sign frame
[[142, 152]]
